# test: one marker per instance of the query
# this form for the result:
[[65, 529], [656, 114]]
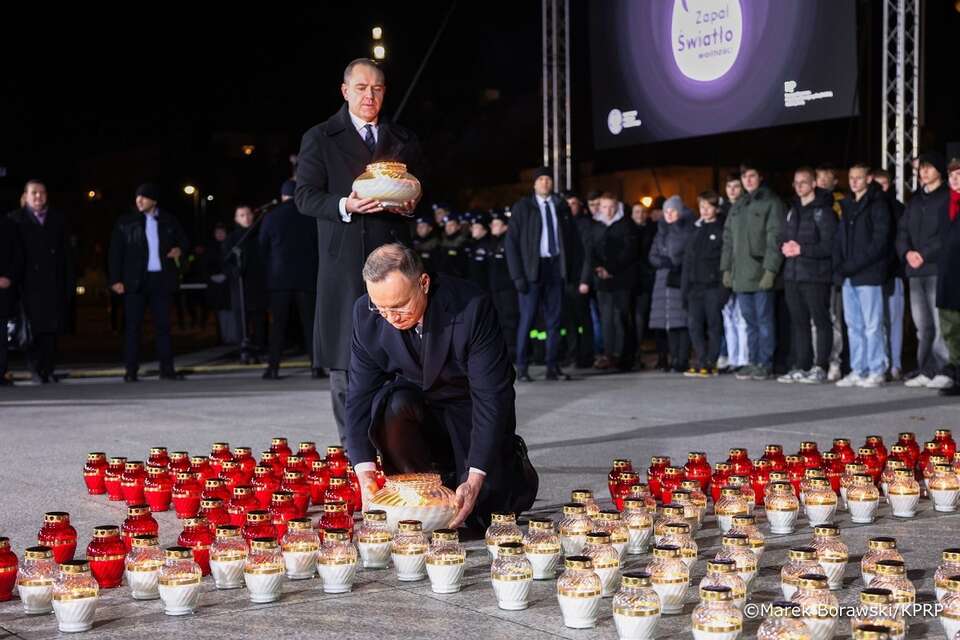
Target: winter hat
[[935, 158], [542, 171], [288, 188], [479, 217], [673, 202], [149, 190]]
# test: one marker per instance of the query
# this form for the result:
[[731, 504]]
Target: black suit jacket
[[46, 271], [332, 155], [288, 248], [466, 378], [129, 253], [523, 239]]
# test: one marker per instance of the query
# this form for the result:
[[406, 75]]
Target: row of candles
[[902, 475], [182, 481], [581, 520], [592, 572]]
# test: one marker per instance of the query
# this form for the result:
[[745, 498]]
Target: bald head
[[396, 285], [392, 257]]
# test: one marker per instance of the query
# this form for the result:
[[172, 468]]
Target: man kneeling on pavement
[[430, 386]]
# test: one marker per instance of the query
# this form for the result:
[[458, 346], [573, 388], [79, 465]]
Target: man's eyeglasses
[[399, 312]]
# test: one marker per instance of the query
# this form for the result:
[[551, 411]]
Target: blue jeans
[[893, 292], [931, 350], [757, 310], [863, 311]]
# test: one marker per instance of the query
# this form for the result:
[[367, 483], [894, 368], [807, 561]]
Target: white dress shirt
[[547, 209], [359, 124], [153, 243]]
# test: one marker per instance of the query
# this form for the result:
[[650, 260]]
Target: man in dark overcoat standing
[[332, 155]]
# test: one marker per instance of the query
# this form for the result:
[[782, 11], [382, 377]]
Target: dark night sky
[[105, 102]]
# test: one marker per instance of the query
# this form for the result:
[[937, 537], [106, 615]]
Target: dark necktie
[[41, 217], [551, 235], [368, 138], [416, 339]]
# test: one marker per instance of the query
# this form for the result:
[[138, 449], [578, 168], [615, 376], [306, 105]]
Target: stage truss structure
[[900, 124], [556, 92]]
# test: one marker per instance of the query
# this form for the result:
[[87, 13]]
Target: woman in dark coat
[[666, 308], [47, 276]]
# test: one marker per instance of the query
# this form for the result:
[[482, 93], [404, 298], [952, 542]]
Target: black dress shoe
[[524, 376], [271, 373], [318, 373], [130, 377], [5, 381], [952, 391], [557, 374], [171, 375]]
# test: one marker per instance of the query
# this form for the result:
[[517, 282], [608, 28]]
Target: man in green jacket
[[750, 263]]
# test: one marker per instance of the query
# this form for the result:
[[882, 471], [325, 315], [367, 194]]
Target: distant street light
[[646, 201], [377, 33], [92, 194], [248, 149], [209, 198], [379, 52], [189, 189]]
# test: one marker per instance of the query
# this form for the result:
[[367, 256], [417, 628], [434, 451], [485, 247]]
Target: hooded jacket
[[813, 226], [750, 239], [861, 247], [669, 246], [614, 247], [919, 229]]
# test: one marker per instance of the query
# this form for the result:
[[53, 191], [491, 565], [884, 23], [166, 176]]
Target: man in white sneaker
[[860, 258], [807, 245], [919, 245], [826, 176]]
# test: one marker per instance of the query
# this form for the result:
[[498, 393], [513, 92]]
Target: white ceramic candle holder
[[74, 616], [227, 574], [579, 613], [512, 595]]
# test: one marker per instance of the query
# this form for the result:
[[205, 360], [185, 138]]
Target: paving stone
[[573, 429]]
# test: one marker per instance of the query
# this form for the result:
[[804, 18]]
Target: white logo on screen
[[618, 120], [706, 37]]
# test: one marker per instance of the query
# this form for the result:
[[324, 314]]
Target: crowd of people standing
[[809, 289]]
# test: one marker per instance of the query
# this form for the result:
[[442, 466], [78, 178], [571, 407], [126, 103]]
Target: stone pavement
[[573, 430]]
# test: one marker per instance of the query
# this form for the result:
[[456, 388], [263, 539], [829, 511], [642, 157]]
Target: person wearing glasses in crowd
[[431, 388]]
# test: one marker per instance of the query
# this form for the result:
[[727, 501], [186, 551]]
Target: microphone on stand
[[266, 206]]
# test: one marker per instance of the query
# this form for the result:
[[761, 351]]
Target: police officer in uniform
[[453, 254], [426, 243], [480, 249]]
